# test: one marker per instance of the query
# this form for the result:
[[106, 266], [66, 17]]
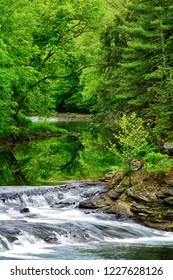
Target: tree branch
[[51, 77]]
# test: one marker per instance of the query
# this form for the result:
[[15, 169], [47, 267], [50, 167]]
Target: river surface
[[46, 222]]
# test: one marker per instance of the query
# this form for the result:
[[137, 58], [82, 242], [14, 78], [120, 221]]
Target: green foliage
[[42, 55], [107, 57], [132, 145], [6, 173], [131, 141], [45, 127], [62, 158], [157, 163], [7, 105], [94, 160], [44, 47], [137, 64]]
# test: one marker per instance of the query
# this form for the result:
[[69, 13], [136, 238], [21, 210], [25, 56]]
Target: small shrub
[[157, 163]]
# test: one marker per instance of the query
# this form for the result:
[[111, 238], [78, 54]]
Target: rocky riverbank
[[149, 200]]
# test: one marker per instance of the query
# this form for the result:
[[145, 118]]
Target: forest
[[109, 60]]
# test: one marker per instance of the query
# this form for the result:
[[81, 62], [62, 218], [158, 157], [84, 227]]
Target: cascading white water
[[45, 222]]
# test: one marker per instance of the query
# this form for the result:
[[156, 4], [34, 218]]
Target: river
[[46, 222]]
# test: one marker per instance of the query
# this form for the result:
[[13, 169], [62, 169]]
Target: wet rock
[[121, 208], [24, 210], [89, 204], [105, 203], [9, 232], [52, 239]]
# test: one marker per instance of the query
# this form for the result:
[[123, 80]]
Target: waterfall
[[45, 222]]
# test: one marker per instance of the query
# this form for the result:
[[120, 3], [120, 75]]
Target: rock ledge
[[149, 200]]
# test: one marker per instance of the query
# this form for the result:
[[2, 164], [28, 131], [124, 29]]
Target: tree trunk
[[129, 173]]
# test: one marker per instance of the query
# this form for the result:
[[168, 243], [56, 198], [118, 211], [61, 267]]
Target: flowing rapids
[[46, 223]]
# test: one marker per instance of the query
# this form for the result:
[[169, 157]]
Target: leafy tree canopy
[[137, 65]]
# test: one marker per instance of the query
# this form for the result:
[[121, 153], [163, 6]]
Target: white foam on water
[[4, 217], [5, 243], [96, 227], [24, 246], [58, 215], [154, 240], [34, 200]]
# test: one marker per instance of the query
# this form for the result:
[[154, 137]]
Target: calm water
[[46, 223]]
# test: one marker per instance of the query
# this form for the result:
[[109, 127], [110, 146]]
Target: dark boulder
[[24, 210]]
